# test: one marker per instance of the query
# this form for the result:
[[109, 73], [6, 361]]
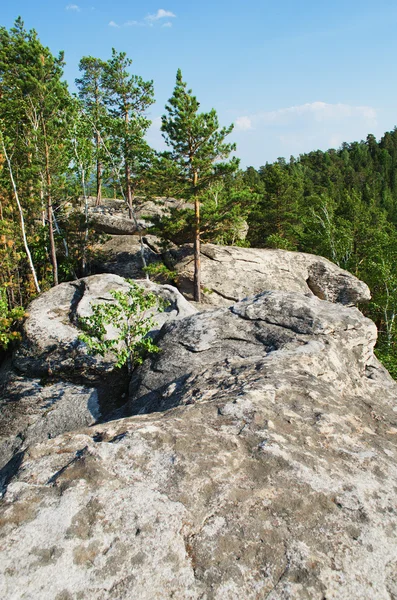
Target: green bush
[[9, 319], [129, 315]]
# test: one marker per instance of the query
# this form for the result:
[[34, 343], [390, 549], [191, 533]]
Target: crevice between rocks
[[80, 287]]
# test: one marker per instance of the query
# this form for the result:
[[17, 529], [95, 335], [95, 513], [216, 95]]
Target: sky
[[293, 75]]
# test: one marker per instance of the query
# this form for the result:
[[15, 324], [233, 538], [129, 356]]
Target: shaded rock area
[[53, 385], [116, 225], [122, 255], [273, 476], [229, 274], [32, 412], [305, 334], [112, 217]]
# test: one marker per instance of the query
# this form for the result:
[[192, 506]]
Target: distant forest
[[56, 149]]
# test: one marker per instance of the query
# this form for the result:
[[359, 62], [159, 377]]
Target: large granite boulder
[[116, 224], [64, 388], [50, 345], [274, 476], [230, 273], [52, 358], [291, 327]]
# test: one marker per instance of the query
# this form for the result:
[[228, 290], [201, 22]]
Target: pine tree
[[92, 96], [196, 157], [34, 103], [128, 98]]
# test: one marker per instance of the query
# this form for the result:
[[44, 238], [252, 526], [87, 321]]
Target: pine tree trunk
[[98, 171], [98, 183], [98, 145], [197, 265], [128, 191]]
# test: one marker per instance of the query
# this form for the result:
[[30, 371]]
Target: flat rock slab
[[230, 273], [274, 476]]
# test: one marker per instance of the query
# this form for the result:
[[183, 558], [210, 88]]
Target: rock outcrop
[[272, 476], [32, 412], [229, 274], [64, 388], [122, 255], [50, 345], [111, 216], [287, 334]]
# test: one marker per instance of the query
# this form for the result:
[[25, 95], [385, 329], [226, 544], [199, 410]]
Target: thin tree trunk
[[99, 183], [197, 265], [98, 170], [84, 258], [50, 215], [65, 244], [84, 187], [25, 241], [98, 145], [128, 190], [53, 252]]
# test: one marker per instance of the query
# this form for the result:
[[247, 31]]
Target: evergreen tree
[[197, 154], [34, 111], [92, 96], [127, 98]]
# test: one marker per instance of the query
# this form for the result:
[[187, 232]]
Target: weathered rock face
[[116, 225], [50, 344], [273, 477], [32, 412], [122, 255], [230, 274], [303, 332], [112, 215], [66, 388]]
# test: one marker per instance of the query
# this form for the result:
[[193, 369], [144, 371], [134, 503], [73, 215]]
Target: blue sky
[[292, 75]]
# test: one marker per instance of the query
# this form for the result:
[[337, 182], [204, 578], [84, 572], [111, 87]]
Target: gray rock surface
[[115, 224], [302, 331], [112, 217], [230, 274], [51, 351], [50, 343], [32, 412], [273, 477], [122, 255]]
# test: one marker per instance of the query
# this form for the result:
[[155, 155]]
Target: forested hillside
[[341, 204], [56, 149]]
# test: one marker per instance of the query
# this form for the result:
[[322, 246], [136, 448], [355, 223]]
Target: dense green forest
[[56, 149]]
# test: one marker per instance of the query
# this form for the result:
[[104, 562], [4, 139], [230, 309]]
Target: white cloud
[[160, 14], [74, 7], [265, 135], [243, 123], [148, 21], [320, 111]]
